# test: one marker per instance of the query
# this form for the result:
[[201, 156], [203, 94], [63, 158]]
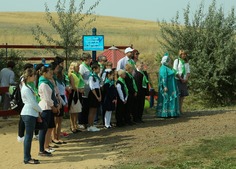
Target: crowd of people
[[91, 89]]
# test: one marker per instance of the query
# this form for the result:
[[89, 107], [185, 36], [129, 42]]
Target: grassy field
[[214, 153], [16, 29]]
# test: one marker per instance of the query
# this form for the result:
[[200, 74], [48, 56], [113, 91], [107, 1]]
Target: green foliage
[[15, 56], [70, 25], [210, 39]]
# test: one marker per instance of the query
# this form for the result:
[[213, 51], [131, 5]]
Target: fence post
[[94, 53], [6, 52]]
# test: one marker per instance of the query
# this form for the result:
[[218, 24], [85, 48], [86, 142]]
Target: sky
[[151, 10]]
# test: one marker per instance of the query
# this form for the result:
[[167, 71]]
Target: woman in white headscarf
[[168, 100]]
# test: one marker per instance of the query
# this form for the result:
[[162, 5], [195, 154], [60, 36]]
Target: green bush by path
[[210, 38]]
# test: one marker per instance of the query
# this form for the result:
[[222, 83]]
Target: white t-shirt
[[121, 63], [178, 67]]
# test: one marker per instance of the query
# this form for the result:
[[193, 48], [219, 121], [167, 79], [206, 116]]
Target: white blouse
[[178, 67], [31, 106], [120, 93], [92, 84], [62, 90], [45, 93]]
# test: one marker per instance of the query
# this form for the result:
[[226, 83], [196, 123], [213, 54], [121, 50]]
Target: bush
[[210, 38]]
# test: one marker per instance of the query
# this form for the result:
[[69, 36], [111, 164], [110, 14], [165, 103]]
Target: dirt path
[[108, 148]]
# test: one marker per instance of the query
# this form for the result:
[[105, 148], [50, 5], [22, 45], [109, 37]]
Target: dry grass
[[16, 29]]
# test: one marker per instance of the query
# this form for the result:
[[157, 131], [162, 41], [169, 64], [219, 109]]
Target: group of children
[[87, 89], [43, 94], [105, 90]]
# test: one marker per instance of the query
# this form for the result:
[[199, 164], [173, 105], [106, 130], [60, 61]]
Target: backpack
[[16, 102]]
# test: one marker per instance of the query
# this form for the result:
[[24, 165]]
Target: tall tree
[[70, 24], [211, 40]]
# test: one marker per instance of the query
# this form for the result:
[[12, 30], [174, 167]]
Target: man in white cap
[[127, 59]]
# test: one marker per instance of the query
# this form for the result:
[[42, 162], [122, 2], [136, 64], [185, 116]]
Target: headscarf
[[165, 59]]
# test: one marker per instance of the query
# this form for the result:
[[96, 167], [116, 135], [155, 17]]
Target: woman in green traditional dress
[[168, 98]]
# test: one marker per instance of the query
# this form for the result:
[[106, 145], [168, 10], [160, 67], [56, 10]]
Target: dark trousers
[[130, 108], [103, 116], [83, 116], [42, 133], [121, 110], [6, 101], [99, 113], [21, 127], [139, 104]]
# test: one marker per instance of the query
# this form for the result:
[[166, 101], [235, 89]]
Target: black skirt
[[183, 88], [93, 101]]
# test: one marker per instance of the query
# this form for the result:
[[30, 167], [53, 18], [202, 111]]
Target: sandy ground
[[81, 151], [109, 148]]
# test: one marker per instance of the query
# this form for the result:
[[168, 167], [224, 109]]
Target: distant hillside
[[15, 28]]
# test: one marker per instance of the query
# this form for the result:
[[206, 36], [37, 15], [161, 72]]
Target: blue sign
[[93, 42]]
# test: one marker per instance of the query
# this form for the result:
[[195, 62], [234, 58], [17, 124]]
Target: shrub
[[210, 39]]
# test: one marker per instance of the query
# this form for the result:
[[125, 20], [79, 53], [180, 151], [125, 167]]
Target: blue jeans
[[46, 116], [30, 122]]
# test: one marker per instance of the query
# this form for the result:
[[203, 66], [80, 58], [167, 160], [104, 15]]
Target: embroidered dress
[[168, 102]]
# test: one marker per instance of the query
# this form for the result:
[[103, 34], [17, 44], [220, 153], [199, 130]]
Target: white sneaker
[[96, 129], [81, 126], [50, 150], [36, 137], [108, 127], [89, 128], [93, 128], [20, 139]]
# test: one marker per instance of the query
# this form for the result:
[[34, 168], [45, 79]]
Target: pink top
[[45, 93]]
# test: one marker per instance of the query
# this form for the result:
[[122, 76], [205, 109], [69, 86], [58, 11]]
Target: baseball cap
[[129, 49]]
